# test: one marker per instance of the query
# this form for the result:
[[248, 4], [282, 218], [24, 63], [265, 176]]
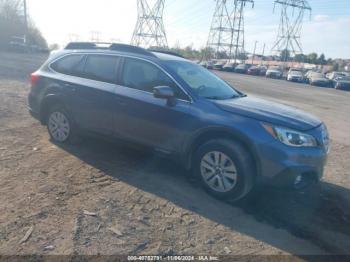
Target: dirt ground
[[103, 198]]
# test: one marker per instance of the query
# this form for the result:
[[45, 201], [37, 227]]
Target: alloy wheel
[[218, 171], [59, 126]]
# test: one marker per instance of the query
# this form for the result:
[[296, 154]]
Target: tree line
[[12, 24]]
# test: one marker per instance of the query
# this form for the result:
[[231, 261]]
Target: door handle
[[70, 86], [120, 101]]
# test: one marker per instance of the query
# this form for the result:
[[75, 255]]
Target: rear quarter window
[[69, 65]]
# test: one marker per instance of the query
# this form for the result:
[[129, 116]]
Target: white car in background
[[274, 72], [295, 76]]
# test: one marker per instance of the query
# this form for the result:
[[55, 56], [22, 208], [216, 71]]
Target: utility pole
[[253, 57], [25, 14], [149, 30], [263, 54], [226, 36], [289, 32]]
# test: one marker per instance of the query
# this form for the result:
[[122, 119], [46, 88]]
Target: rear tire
[[60, 125], [225, 169]]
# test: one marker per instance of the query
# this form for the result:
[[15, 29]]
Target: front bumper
[[274, 75], [320, 83], [296, 79], [343, 87], [283, 166]]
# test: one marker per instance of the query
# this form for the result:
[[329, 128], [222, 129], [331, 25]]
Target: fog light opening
[[304, 180], [298, 180]]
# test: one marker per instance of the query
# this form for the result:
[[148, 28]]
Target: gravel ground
[[103, 198]]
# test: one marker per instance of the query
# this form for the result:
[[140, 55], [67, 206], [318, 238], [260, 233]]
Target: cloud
[[329, 36], [322, 35], [321, 18], [249, 14]]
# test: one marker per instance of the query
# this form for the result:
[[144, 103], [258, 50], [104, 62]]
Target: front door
[[145, 119]]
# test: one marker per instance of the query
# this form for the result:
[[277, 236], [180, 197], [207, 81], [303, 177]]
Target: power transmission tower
[[289, 33], [238, 27], [149, 30], [226, 37], [95, 36], [73, 37]]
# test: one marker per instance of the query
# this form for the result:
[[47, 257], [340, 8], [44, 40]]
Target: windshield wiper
[[222, 98], [214, 97]]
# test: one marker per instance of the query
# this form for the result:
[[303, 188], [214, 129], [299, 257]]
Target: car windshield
[[201, 81], [274, 68]]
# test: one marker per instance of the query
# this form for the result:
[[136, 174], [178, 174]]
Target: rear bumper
[[33, 107], [34, 114]]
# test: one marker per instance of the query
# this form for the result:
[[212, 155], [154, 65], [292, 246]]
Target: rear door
[[94, 103], [143, 118], [88, 85]]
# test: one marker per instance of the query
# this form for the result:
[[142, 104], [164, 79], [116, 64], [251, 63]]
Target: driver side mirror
[[165, 92]]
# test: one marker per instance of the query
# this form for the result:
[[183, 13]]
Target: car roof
[[118, 49]]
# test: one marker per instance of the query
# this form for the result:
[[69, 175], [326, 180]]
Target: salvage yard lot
[[138, 203]]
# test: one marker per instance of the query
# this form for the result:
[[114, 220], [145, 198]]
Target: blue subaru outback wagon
[[231, 142]]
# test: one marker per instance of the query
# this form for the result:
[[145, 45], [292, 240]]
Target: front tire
[[225, 169]]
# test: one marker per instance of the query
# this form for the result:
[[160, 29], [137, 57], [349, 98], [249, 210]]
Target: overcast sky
[[188, 22]]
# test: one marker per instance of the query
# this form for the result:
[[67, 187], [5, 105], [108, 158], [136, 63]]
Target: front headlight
[[291, 137]]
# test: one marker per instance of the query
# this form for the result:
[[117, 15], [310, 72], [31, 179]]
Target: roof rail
[[81, 45], [130, 49], [165, 52], [109, 46]]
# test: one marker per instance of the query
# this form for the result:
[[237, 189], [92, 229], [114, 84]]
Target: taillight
[[34, 79]]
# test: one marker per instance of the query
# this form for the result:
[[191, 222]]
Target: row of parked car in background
[[20, 45], [338, 80]]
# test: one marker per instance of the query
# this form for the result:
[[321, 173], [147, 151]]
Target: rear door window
[[70, 65], [102, 68]]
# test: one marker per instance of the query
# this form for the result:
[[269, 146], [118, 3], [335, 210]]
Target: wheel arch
[[47, 103], [213, 133]]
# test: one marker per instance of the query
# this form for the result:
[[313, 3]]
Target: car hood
[[270, 112]]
